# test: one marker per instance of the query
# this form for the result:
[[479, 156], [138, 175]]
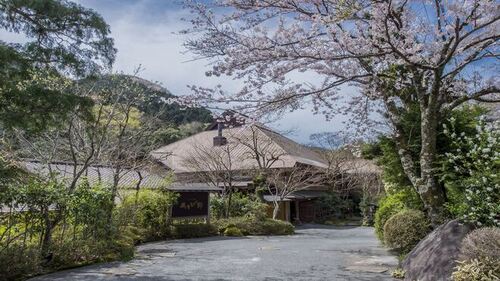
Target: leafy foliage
[[395, 180], [470, 171], [405, 229], [148, 210], [18, 262], [67, 39], [393, 204], [73, 227], [333, 204], [66, 35], [477, 270], [241, 205], [34, 99]]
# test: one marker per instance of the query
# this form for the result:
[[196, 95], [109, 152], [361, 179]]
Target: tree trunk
[[431, 192], [276, 210], [47, 234], [228, 207]]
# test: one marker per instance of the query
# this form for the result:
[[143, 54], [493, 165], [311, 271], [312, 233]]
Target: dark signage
[[191, 204]]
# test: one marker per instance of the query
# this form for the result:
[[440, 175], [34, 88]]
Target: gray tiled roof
[[178, 153], [152, 178]]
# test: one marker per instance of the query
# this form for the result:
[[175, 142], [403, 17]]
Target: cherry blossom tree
[[434, 54]]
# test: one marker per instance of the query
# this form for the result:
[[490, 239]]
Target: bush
[[333, 204], [481, 244], [405, 229], [477, 270], [241, 205], [148, 210], [470, 173], [276, 227], [18, 262], [480, 256], [193, 230], [252, 226], [233, 231], [392, 204]]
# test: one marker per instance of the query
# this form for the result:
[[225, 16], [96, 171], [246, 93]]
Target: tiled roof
[[176, 155], [151, 178]]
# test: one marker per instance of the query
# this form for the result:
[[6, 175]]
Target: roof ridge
[[294, 155]]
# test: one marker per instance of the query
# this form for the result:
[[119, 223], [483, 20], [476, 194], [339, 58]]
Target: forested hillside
[[173, 121], [155, 100]]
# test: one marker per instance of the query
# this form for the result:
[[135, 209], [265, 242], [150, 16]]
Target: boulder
[[435, 256]]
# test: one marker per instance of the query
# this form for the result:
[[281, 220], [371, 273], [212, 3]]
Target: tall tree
[[436, 54], [64, 39]]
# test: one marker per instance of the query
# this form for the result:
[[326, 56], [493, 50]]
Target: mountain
[[155, 102]]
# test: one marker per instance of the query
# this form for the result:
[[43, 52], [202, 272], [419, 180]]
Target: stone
[[434, 257]]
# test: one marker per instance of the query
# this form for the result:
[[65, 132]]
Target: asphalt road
[[313, 253]]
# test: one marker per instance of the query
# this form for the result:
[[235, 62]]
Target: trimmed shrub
[[477, 270], [391, 205], [405, 229], [252, 226], [233, 231], [276, 227], [193, 230], [481, 243]]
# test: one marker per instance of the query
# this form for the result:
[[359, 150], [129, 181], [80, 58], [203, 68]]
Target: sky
[[145, 35]]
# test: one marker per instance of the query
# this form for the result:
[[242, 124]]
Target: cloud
[[145, 35]]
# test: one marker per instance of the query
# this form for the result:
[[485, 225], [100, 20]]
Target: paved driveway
[[314, 253]]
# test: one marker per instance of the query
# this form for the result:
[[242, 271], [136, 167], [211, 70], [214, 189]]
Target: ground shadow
[[199, 240], [324, 226]]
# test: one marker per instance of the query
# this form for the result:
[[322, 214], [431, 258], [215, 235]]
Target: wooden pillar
[[207, 220], [297, 214], [287, 211]]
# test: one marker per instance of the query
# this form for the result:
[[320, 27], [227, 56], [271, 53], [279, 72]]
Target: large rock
[[435, 256]]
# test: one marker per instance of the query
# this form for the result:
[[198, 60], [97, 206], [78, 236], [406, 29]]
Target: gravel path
[[313, 253]]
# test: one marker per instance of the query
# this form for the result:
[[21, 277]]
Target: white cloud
[[154, 45], [144, 34]]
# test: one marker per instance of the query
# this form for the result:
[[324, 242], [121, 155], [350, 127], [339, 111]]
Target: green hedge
[[252, 226], [193, 230]]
